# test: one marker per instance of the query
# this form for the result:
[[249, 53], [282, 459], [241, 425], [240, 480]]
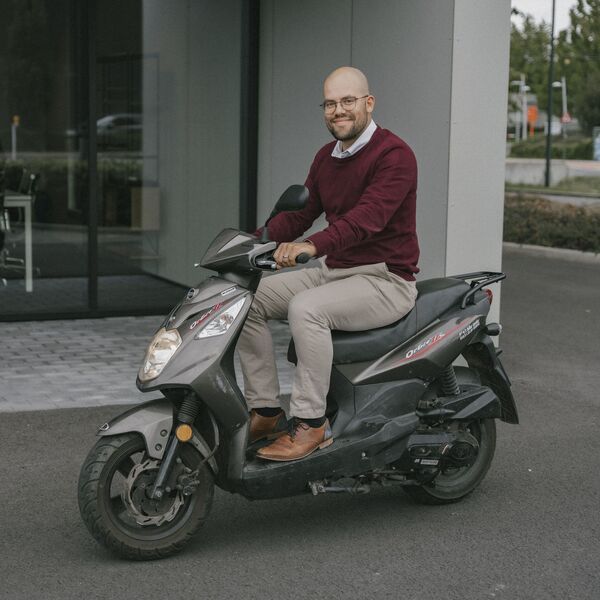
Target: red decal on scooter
[[428, 344], [205, 316]]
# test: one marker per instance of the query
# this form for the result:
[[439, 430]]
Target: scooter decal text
[[426, 345], [470, 328], [205, 316], [423, 345]]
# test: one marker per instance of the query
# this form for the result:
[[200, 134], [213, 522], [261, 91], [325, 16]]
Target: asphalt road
[[530, 531]]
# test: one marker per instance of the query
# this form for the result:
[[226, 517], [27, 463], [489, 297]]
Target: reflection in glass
[[41, 143]]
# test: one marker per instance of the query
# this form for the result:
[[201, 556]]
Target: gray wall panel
[[199, 98], [213, 135], [405, 48], [301, 42], [165, 33], [477, 148]]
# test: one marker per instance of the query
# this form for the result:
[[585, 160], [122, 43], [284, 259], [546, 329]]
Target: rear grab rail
[[479, 279]]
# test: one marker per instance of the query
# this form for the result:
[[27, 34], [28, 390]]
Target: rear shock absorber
[[449, 382], [188, 411]]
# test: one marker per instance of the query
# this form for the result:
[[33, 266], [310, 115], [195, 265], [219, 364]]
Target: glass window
[[43, 233]]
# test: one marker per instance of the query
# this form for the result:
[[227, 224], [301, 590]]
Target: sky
[[542, 9]]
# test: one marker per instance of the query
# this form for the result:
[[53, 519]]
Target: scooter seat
[[435, 296]]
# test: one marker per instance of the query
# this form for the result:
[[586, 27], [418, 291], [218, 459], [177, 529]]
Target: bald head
[[350, 79], [347, 104]]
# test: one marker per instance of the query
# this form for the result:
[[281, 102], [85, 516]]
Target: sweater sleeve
[[394, 177], [287, 226]]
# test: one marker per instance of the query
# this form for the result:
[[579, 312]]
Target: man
[[366, 184]]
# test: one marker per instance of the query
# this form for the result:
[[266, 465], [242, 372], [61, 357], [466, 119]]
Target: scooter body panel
[[205, 365], [481, 355], [427, 353]]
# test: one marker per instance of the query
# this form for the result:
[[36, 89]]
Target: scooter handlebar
[[303, 258], [266, 261]]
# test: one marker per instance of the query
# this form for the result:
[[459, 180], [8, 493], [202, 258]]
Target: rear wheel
[[115, 505], [453, 484]]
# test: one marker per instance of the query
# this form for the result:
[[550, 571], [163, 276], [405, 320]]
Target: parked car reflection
[[122, 131]]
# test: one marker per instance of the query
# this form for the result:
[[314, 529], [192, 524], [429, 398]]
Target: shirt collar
[[362, 141]]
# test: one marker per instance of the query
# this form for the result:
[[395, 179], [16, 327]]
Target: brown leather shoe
[[300, 442], [266, 427]]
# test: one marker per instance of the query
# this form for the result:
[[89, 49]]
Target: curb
[[548, 252], [549, 192]]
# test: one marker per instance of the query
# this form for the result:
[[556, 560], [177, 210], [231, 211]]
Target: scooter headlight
[[159, 353], [222, 322]]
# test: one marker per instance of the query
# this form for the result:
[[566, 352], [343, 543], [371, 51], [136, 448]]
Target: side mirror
[[294, 198]]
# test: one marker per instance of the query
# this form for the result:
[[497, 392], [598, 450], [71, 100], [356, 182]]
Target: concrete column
[[475, 209]]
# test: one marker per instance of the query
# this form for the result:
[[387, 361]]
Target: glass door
[[129, 217], [43, 160]]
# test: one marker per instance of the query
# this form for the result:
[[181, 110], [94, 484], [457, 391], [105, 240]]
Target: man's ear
[[370, 104]]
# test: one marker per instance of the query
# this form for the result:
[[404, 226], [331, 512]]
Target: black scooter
[[401, 413]]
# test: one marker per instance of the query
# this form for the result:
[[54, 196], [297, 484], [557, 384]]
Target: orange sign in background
[[532, 114]]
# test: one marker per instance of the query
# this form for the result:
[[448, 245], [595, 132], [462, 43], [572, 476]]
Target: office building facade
[[152, 125]]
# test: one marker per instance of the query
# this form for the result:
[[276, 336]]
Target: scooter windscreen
[[234, 249]]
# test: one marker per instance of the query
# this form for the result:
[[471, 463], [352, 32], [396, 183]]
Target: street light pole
[[523, 89], [521, 132], [550, 80]]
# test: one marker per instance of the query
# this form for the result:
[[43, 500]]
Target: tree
[[529, 55], [578, 52]]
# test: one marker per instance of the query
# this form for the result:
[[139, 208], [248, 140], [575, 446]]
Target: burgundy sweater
[[369, 201]]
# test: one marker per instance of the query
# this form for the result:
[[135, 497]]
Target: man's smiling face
[[347, 125]]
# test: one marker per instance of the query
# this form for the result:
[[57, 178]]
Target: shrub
[[575, 148], [545, 223]]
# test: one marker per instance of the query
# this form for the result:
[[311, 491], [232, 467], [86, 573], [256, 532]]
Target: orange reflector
[[184, 433]]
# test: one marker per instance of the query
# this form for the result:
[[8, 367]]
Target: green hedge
[[115, 177], [546, 223], [575, 148]]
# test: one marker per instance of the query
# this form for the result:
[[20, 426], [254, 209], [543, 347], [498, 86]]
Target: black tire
[[455, 484], [107, 515]]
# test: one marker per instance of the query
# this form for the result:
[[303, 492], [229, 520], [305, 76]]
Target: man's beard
[[354, 132]]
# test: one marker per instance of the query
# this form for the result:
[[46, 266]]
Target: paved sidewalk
[[87, 362]]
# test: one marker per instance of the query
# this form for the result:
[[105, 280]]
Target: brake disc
[[145, 510]]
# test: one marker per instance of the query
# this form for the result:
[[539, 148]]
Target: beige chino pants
[[315, 301]]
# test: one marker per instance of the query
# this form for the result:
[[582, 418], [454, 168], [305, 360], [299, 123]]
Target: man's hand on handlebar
[[287, 252]]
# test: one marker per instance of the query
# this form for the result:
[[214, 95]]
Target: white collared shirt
[[362, 141]]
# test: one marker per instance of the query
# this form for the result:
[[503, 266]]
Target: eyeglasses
[[347, 103]]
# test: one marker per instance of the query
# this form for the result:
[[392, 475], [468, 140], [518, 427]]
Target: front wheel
[[115, 505], [453, 484]]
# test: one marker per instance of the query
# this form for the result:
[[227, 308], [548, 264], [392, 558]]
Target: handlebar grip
[[303, 258]]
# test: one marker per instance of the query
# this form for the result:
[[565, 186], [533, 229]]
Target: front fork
[[188, 411], [165, 469]]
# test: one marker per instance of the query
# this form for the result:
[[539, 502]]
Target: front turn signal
[[184, 433]]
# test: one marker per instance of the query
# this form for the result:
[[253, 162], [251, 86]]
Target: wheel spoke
[[117, 506], [125, 467]]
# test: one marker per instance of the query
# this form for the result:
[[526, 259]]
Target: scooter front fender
[[152, 419]]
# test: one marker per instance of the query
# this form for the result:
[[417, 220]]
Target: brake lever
[[264, 263]]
